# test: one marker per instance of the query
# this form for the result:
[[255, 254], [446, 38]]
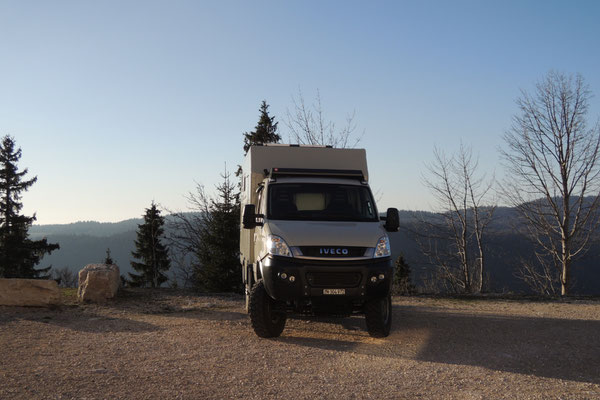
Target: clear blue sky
[[118, 103]]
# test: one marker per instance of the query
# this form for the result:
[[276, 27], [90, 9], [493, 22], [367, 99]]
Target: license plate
[[334, 291]]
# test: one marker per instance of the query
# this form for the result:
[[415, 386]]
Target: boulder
[[29, 292], [98, 282]]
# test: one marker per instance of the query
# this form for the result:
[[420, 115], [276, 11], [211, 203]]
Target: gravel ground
[[156, 344]]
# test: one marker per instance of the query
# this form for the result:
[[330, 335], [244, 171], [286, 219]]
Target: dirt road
[[169, 344]]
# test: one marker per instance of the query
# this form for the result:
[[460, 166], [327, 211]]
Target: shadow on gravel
[[544, 347], [77, 321], [215, 315], [172, 302], [354, 323], [327, 344]]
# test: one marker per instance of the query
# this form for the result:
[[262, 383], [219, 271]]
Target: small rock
[[98, 282]]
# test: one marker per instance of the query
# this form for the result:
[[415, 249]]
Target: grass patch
[[69, 295]]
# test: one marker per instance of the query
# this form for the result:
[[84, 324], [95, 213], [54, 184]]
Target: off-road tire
[[265, 322], [378, 316]]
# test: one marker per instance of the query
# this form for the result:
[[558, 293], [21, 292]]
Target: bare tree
[[186, 233], [552, 163], [308, 125], [183, 270], [538, 275], [65, 277], [453, 240]]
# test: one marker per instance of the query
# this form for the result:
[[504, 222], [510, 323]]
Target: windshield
[[320, 202]]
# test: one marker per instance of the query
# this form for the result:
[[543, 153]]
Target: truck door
[[259, 235]]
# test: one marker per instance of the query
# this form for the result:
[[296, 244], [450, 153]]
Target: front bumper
[[314, 278]]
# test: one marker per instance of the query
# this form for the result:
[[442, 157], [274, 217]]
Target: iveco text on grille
[[333, 251]]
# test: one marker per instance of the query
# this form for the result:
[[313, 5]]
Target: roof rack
[[324, 146], [330, 173]]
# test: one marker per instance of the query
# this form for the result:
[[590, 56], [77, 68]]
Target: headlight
[[277, 246], [383, 247]]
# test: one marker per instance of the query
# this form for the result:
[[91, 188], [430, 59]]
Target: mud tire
[[378, 316], [266, 322]]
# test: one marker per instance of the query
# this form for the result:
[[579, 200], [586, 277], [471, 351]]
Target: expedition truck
[[311, 239]]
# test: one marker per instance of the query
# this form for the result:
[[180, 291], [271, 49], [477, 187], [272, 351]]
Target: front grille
[[333, 279], [332, 251]]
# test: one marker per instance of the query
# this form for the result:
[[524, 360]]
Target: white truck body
[[263, 158], [311, 239]]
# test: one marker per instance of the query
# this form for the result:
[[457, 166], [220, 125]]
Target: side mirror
[[249, 216], [392, 220]]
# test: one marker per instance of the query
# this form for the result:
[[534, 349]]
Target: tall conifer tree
[[18, 254], [264, 132], [151, 251], [218, 268]]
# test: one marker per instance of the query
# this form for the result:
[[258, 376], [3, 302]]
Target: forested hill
[[82, 243], [506, 249], [86, 242], [89, 228]]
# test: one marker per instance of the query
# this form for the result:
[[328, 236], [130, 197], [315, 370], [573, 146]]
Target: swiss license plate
[[334, 291]]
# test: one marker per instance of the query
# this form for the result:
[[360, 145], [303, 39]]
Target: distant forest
[[82, 243]]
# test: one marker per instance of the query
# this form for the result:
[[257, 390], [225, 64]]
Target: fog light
[[283, 275], [373, 279], [292, 278], [381, 276]]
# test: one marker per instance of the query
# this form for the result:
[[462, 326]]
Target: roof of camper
[[266, 157]]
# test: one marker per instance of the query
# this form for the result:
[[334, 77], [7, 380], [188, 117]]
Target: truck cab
[[312, 241]]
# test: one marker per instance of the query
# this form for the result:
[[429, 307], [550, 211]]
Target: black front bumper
[[314, 278]]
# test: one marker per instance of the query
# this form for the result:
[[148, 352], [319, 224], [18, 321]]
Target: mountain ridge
[[86, 242]]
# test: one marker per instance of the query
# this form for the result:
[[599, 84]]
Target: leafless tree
[[184, 240], [182, 270], [65, 277], [307, 125], [453, 240], [539, 275], [552, 162]]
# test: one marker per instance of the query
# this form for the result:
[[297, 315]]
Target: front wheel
[[266, 322], [378, 316]]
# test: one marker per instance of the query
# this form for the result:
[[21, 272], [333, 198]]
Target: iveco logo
[[333, 251]]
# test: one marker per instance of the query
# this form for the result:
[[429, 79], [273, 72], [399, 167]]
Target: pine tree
[[108, 259], [402, 281], [18, 254], [218, 268], [264, 132], [151, 251]]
